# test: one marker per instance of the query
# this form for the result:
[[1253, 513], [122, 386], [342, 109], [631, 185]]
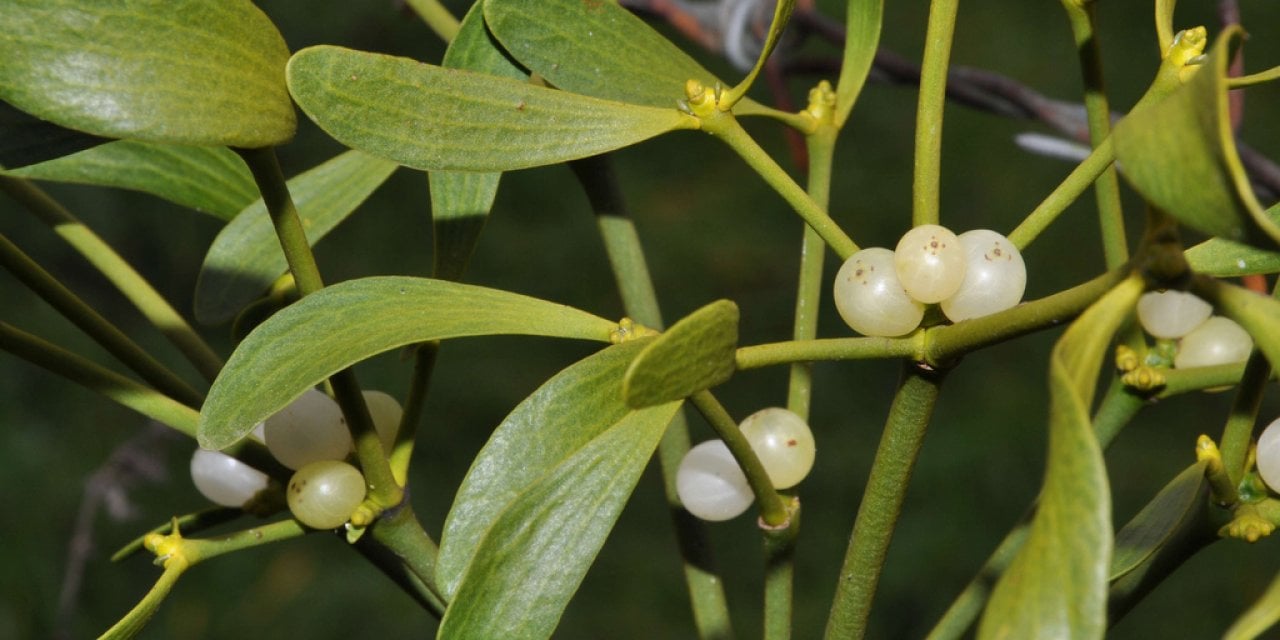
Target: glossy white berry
[[930, 263], [322, 495], [1269, 455], [710, 484], [1171, 314], [386, 413], [311, 428], [783, 442], [870, 298], [225, 480], [994, 279], [1216, 341]]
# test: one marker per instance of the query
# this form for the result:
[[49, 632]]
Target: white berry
[[1171, 314], [783, 442], [870, 298], [995, 276], [710, 484], [1269, 455], [225, 480], [323, 494], [311, 428], [930, 263], [386, 413], [1216, 341]]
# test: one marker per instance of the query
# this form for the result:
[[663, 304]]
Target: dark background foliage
[[711, 231]]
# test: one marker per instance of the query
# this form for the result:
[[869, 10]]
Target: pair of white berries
[[310, 435], [712, 486], [883, 293], [1204, 340]]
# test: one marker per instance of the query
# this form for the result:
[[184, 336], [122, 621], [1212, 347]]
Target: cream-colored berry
[[930, 263], [784, 444], [323, 494], [994, 280], [1216, 341], [1172, 314], [870, 298]]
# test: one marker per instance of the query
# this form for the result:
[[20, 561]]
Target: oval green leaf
[[1222, 258], [246, 258], [862, 37], [343, 324], [1180, 154], [696, 353], [200, 72], [460, 201], [1159, 520], [431, 118], [1056, 587], [26, 139], [599, 49], [555, 489], [212, 180]]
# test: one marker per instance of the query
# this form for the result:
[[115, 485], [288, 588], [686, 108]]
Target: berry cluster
[[883, 293], [311, 437], [712, 486], [1204, 340]]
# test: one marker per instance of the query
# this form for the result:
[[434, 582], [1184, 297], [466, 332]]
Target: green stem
[[1066, 193], [827, 349], [821, 148], [1180, 381], [399, 532], [128, 281], [882, 501], [1238, 432], [725, 127], [384, 492], [779, 575], [773, 511], [437, 18], [198, 550], [92, 323], [1083, 18], [127, 392], [409, 582], [424, 361], [933, 95], [640, 301]]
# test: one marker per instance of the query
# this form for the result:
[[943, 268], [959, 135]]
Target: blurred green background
[[711, 231]]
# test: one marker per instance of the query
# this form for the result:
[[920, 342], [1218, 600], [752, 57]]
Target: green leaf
[[1258, 618], [1159, 521], [541, 498], [1223, 258], [696, 353], [246, 258], [182, 71], [1180, 154], [599, 49], [460, 201], [781, 16], [209, 179], [343, 324], [1056, 587], [132, 623], [862, 36], [428, 117], [26, 139]]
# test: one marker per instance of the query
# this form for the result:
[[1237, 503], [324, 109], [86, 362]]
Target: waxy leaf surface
[[432, 118], [1056, 587], [696, 353], [1159, 520], [1224, 258], [1180, 154], [213, 180], [541, 498], [343, 324], [246, 257], [181, 71], [599, 49]]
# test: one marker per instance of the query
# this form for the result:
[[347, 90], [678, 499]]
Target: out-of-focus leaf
[[460, 201], [26, 139], [1259, 617], [1223, 258], [1056, 587], [862, 36], [428, 117], [1159, 520], [246, 258], [343, 324], [599, 49], [209, 179], [541, 498], [1180, 154], [181, 71], [696, 353]]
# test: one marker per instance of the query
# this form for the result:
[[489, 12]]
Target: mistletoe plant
[[188, 100]]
